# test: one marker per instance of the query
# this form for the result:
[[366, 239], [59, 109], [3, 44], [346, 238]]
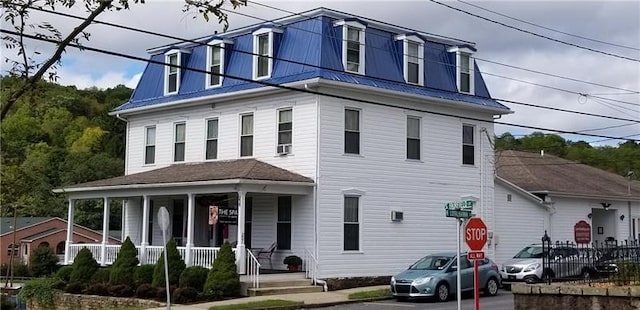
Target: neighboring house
[[34, 232], [351, 172], [537, 192]]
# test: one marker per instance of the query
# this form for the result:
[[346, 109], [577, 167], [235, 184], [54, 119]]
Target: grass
[[264, 304], [371, 294]]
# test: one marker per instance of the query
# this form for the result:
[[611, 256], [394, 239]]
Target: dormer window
[[263, 51], [464, 71], [216, 61], [174, 59], [353, 47], [412, 58]]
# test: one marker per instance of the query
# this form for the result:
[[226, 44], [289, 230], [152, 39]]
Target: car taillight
[[493, 264]]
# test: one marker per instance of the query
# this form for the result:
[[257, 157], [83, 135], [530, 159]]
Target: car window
[[464, 263], [431, 263], [532, 251]]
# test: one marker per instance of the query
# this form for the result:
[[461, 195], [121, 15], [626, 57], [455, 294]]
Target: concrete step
[[285, 283], [283, 290]]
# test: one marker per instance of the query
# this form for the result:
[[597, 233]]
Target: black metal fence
[[609, 261]]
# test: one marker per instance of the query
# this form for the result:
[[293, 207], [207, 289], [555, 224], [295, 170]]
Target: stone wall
[[566, 296], [91, 302], [346, 283]]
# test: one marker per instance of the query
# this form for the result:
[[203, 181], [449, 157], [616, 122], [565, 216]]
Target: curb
[[336, 303]]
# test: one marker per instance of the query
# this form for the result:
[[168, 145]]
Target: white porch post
[[145, 230], [190, 219], [240, 248], [67, 245], [105, 232]]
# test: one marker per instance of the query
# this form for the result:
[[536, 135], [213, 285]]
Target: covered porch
[[247, 203]]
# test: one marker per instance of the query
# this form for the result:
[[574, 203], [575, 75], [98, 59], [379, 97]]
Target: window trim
[[206, 137], [175, 126], [253, 133], [155, 138], [344, 126], [406, 39], [462, 144], [419, 119], [358, 195], [290, 108], [223, 45], [270, 31], [468, 52], [167, 70], [360, 27]]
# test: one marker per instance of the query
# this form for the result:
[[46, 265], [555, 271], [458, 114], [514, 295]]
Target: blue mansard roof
[[308, 48]]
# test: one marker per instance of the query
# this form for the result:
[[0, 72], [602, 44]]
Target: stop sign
[[475, 234]]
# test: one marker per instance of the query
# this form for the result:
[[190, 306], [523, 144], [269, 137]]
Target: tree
[[31, 69], [125, 265], [223, 279], [84, 267], [175, 262], [42, 262]]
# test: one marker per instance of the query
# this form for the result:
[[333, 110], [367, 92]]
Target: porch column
[[145, 230], [67, 245], [240, 248], [105, 232], [190, 219]]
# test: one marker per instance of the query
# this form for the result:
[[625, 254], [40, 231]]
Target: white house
[[340, 139], [535, 193]]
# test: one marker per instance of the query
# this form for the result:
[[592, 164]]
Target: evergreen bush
[[143, 274], [176, 265], [223, 279], [101, 275], [40, 291], [121, 290], [100, 289], [146, 291], [19, 270], [64, 273], [84, 267], [183, 295], [122, 270], [42, 262], [194, 277]]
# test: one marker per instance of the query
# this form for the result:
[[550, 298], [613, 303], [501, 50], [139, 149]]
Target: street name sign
[[458, 205], [465, 214]]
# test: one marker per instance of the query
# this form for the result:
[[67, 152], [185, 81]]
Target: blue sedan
[[435, 276]]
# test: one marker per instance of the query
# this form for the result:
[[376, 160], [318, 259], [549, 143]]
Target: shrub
[[183, 295], [223, 279], [101, 275], [74, 288], [64, 273], [161, 292], [19, 269], [194, 277], [292, 260], [40, 292], [84, 267], [121, 290], [143, 274], [42, 262], [122, 270], [176, 265], [628, 271], [101, 289], [146, 291]]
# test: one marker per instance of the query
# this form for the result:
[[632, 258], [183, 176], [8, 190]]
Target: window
[[179, 141], [13, 249], [284, 223], [413, 137], [248, 220], [212, 139], [351, 224], [246, 135], [172, 73], [413, 58], [467, 145], [177, 223], [150, 146], [60, 248], [263, 52], [352, 46], [285, 130], [465, 73], [351, 131], [215, 65], [263, 56]]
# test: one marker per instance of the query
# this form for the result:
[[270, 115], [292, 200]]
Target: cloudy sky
[[606, 26]]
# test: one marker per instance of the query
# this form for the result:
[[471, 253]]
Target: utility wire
[[548, 28], [331, 69], [608, 127], [302, 90], [535, 34]]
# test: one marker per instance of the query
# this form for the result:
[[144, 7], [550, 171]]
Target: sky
[[606, 26]]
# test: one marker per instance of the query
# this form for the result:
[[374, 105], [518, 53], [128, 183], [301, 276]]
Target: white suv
[[526, 266]]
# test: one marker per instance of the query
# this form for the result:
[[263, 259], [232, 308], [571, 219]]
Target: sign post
[[163, 221], [460, 210], [475, 235]]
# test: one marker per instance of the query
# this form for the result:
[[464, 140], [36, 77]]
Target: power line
[[302, 90], [331, 69], [535, 34], [548, 28], [608, 127]]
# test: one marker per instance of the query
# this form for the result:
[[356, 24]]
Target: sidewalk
[[310, 300]]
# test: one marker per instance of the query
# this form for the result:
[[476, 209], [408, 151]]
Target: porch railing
[[253, 269], [310, 265]]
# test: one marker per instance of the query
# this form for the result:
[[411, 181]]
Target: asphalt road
[[504, 301]]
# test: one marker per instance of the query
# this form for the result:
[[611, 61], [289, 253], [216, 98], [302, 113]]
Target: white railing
[[153, 254], [94, 248], [253, 269], [112, 253], [310, 265]]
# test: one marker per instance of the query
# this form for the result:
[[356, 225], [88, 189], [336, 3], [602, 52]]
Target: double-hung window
[[172, 72], [263, 55], [263, 52], [351, 240], [468, 149], [215, 65], [212, 139], [179, 142], [351, 131], [284, 223], [413, 137], [413, 58], [150, 145], [246, 135], [464, 69], [285, 130], [353, 46]]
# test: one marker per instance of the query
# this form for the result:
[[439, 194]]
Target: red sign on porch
[[582, 232]]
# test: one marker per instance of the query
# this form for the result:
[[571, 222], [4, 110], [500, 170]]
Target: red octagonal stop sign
[[475, 234]]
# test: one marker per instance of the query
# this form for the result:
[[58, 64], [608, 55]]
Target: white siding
[[390, 182], [133, 220]]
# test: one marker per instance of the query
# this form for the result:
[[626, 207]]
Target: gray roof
[[246, 169], [43, 234], [538, 174], [6, 223]]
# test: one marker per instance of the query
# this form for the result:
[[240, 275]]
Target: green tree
[[176, 265], [42, 262], [84, 267], [124, 267], [223, 279]]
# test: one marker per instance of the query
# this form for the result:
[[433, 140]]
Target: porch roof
[[230, 170]]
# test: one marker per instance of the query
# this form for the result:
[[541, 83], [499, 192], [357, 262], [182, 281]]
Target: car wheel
[[442, 292], [586, 273], [491, 288]]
